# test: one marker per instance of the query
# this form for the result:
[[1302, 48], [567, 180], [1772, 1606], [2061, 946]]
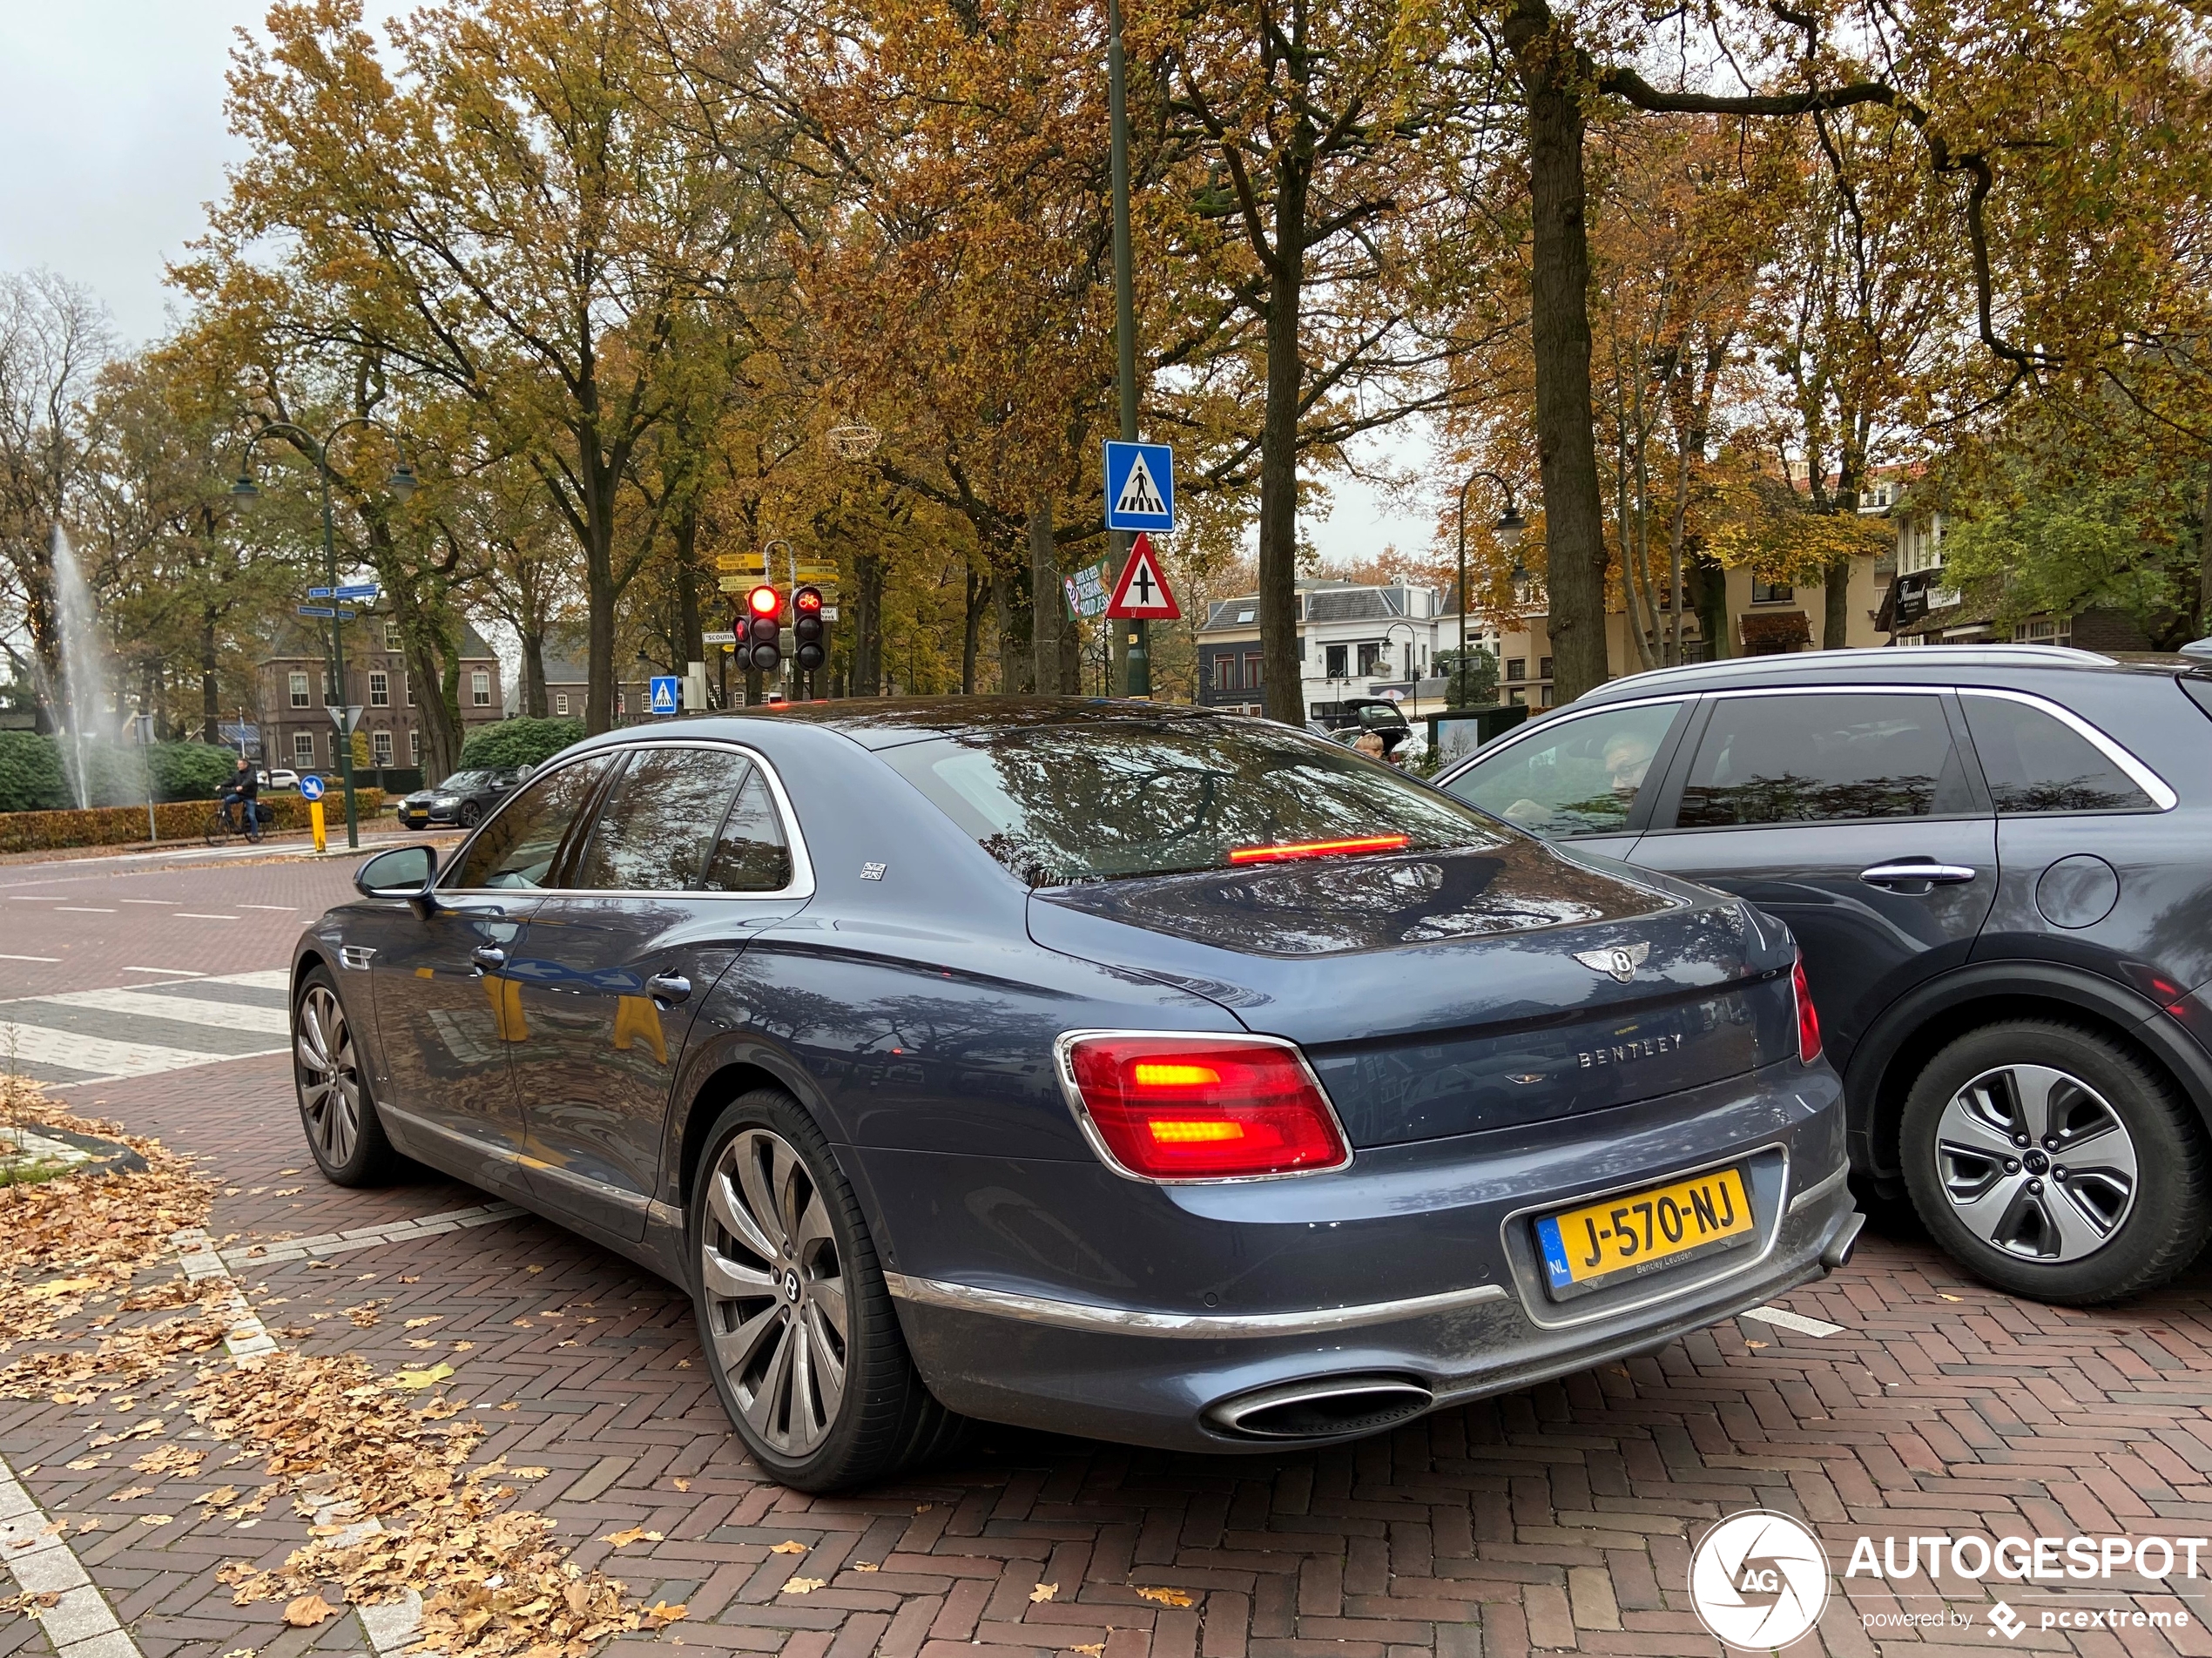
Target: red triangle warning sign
[[1143, 592]]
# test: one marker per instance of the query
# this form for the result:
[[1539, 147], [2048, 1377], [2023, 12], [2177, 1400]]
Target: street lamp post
[[402, 483], [1508, 528]]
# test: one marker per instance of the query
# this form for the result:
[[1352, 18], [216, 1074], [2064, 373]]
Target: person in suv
[[1993, 857]]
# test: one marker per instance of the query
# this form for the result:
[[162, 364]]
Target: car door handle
[[489, 958], [1940, 875], [669, 988]]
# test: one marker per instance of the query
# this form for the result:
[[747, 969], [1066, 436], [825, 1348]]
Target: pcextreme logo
[[1759, 1580]]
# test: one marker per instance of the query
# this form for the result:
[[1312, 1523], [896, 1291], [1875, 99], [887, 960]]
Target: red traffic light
[[807, 600], [764, 600]]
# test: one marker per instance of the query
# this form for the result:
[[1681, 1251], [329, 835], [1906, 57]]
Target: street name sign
[[315, 610], [358, 590], [1140, 485], [1142, 593]]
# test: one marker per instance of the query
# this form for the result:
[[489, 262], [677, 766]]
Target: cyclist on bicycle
[[238, 795]]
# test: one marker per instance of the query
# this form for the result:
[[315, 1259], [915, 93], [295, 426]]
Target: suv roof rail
[[1992, 654]]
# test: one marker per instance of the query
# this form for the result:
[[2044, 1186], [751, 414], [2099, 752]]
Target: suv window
[[660, 820], [751, 855], [1580, 777], [517, 847], [2035, 762], [1815, 759]]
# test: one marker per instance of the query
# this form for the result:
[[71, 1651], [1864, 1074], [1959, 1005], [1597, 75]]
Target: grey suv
[[1998, 860]]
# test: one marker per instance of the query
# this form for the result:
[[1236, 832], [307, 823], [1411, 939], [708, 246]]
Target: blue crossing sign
[[1140, 485], [663, 697], [311, 787]]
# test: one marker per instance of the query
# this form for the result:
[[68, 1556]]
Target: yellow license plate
[[1642, 1231]]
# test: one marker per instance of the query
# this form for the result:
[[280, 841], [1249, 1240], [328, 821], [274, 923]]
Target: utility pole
[[1140, 662]]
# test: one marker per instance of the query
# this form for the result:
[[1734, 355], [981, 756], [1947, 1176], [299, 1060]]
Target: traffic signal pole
[[1140, 665]]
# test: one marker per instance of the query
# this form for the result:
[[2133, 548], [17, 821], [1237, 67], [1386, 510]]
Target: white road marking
[[82, 909], [103, 1055], [364, 1238], [180, 973], [191, 1010], [80, 1624], [38, 897], [287, 908], [195, 915], [265, 978], [35, 958], [1789, 1320], [170, 902]]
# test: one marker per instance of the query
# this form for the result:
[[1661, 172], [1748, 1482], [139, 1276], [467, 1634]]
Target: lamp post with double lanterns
[[402, 484], [1508, 528]]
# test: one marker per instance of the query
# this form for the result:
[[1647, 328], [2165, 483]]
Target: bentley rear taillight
[[1808, 1020], [1201, 1107]]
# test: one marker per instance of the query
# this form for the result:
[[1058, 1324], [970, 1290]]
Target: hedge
[[518, 742], [178, 820], [32, 778]]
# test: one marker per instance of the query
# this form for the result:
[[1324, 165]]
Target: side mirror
[[405, 872]]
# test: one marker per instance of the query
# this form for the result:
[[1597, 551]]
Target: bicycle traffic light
[[764, 627], [810, 648]]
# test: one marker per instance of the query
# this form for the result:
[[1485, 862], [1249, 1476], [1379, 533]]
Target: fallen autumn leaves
[[397, 1507]]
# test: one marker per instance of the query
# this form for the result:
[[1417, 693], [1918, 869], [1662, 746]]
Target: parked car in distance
[[278, 777], [1153, 1074], [1994, 859], [463, 799]]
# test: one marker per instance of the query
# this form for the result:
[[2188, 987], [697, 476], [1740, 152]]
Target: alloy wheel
[[330, 1087], [2036, 1162], [778, 1313]]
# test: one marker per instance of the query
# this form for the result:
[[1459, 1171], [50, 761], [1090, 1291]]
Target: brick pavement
[[1558, 1518]]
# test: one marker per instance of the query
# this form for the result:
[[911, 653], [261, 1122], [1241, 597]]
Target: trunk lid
[[1447, 992]]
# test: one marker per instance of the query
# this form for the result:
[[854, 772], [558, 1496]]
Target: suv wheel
[[2054, 1163], [344, 1132], [800, 1335]]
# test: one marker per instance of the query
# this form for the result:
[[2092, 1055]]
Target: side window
[[1581, 778], [517, 847], [2037, 763], [1822, 759], [658, 824], [751, 855]]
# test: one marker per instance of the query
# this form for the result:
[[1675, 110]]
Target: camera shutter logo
[[1759, 1580]]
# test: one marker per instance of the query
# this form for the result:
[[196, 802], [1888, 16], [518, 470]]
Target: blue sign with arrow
[[1140, 485], [311, 787], [663, 697]]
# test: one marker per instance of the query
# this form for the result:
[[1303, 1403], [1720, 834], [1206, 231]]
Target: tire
[[2109, 1188], [344, 1132], [774, 1309], [471, 814]]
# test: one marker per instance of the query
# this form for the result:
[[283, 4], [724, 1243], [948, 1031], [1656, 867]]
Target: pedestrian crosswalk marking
[[101, 1056], [222, 1015], [70, 1037]]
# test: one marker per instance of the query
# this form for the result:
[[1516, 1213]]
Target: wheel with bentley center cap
[[800, 1331], [344, 1133]]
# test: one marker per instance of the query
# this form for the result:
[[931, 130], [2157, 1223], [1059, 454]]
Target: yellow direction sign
[[753, 562]]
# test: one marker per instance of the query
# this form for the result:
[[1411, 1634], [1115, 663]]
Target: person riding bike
[[237, 801]]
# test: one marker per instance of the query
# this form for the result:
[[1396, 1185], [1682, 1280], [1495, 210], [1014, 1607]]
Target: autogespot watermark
[[1759, 1580]]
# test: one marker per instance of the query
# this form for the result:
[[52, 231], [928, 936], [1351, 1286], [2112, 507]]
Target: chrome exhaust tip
[[1843, 1242], [1329, 1407]]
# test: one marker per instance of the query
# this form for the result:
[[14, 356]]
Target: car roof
[[880, 723], [1928, 664]]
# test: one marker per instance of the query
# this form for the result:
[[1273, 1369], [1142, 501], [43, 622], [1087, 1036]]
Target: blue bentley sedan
[[1138, 1072]]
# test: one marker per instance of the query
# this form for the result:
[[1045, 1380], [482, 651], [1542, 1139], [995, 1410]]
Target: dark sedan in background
[[1151, 1074], [463, 800], [1995, 857]]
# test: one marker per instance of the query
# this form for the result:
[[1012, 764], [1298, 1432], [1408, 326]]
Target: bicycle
[[220, 828]]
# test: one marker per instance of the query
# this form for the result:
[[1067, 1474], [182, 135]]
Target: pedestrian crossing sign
[[1140, 485], [663, 694]]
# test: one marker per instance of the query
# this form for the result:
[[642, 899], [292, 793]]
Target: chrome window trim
[[1063, 1067], [1203, 1326], [2141, 775], [1539, 727], [801, 884]]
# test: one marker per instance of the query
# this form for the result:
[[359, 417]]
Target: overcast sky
[[114, 121]]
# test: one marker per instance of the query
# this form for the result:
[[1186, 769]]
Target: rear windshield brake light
[[1317, 848]]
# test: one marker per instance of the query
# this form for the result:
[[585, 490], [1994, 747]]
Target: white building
[[1354, 641]]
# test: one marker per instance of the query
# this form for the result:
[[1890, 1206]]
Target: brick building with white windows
[[292, 687]]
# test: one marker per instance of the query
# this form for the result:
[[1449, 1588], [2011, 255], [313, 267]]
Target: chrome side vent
[[1329, 1407]]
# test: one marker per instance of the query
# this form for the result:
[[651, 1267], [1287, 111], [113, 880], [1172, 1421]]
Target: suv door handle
[[669, 988], [489, 958], [1940, 875]]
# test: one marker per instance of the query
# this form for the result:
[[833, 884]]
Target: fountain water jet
[[93, 759]]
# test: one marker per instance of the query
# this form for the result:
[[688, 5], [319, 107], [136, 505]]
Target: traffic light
[[810, 648], [763, 630]]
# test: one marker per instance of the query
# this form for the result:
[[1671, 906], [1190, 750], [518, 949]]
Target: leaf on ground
[[682, 1484], [63, 1286], [803, 1585], [633, 1534], [661, 1612], [1166, 1597], [429, 1378], [306, 1611], [1090, 1649], [787, 1546], [866, 1565], [1043, 1592], [155, 1519], [133, 1495], [417, 1324]]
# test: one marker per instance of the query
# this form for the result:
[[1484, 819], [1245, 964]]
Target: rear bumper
[[1415, 1263]]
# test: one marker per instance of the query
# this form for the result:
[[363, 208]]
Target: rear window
[[2035, 764], [1061, 805]]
